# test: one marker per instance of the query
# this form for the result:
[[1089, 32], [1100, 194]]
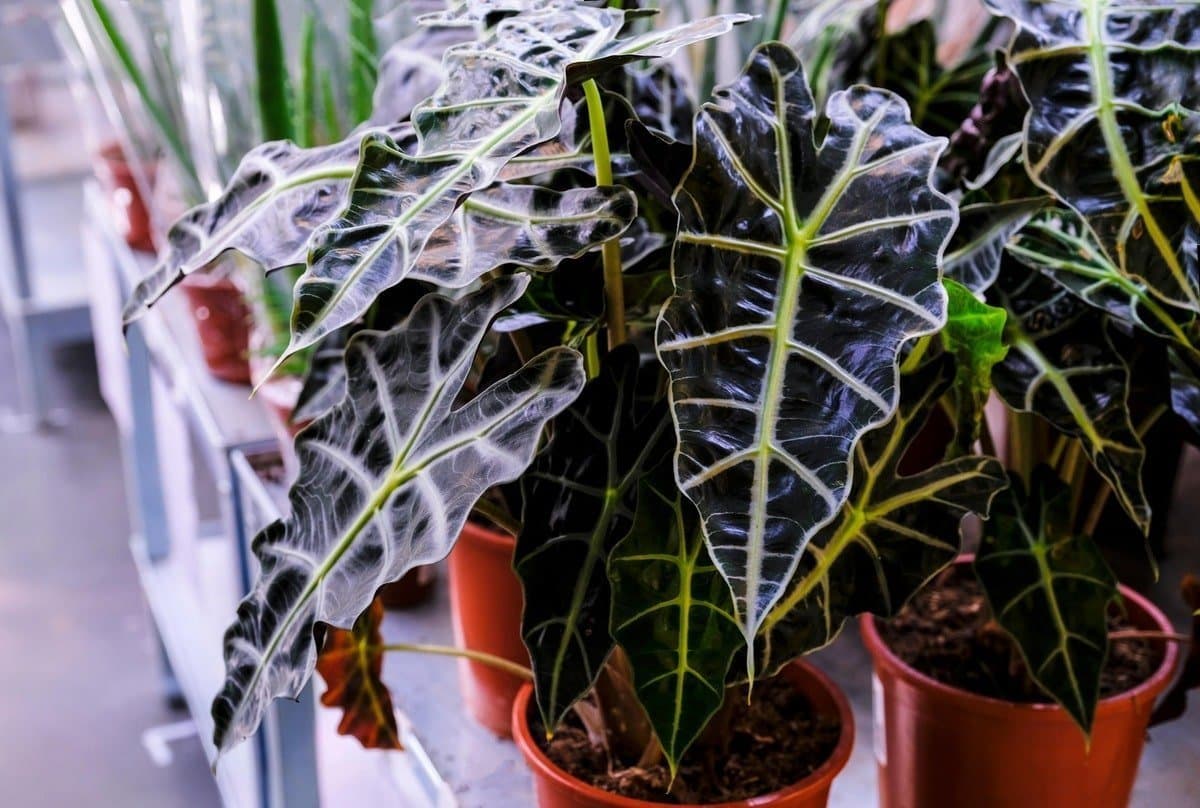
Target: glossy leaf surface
[[268, 211], [800, 271], [351, 663], [1114, 127], [1058, 245], [500, 97], [580, 495], [1050, 591], [1064, 366], [893, 533], [387, 478], [673, 615]]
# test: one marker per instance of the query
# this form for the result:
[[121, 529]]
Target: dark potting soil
[[772, 743], [946, 632]]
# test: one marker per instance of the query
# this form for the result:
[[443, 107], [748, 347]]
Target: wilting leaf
[[1113, 128], [351, 663], [800, 273], [974, 336], [1057, 244], [500, 97], [1174, 703], [387, 478], [579, 498], [892, 535], [1063, 365], [1050, 590], [673, 615]]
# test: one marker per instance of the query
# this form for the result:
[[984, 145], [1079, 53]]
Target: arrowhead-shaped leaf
[[1113, 129], [351, 663], [501, 96], [891, 536], [1050, 590], [580, 496], [801, 269], [278, 195], [673, 615], [387, 478], [1063, 365]]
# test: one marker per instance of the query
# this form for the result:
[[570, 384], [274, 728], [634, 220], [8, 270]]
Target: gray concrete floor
[[80, 682]]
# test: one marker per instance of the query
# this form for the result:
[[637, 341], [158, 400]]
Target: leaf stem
[[500, 663], [497, 516], [614, 284]]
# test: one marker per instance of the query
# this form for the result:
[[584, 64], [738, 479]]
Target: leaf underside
[[351, 663], [893, 534], [800, 272], [580, 495], [1050, 591], [387, 478]]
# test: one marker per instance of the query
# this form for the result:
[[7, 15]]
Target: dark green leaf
[[1057, 244], [579, 498], [500, 97], [974, 336], [387, 478], [1050, 590], [800, 273], [892, 535], [273, 79], [1113, 129], [1064, 366], [673, 615]]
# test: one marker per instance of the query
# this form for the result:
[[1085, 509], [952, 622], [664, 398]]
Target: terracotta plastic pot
[[125, 198], [555, 788], [941, 747], [486, 603], [223, 323]]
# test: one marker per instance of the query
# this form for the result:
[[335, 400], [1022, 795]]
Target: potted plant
[[1083, 322], [702, 342]]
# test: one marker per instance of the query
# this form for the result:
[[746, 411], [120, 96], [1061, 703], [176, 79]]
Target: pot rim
[[820, 778], [1150, 689]]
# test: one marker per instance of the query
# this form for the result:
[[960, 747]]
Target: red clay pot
[[557, 789], [125, 198], [941, 747], [223, 323], [485, 604]]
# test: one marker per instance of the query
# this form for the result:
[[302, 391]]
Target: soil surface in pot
[[774, 742], [946, 632]]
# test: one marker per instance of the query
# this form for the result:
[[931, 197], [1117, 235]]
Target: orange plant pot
[[223, 322], [941, 747], [555, 788], [125, 198], [485, 604]]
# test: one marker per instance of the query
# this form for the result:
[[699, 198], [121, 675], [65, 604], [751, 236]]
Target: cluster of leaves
[[808, 284]]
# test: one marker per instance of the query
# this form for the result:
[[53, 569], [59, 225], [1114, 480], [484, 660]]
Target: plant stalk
[[499, 663], [497, 516], [614, 284]]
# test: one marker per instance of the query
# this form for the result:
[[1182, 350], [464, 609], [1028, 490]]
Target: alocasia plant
[[729, 479]]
